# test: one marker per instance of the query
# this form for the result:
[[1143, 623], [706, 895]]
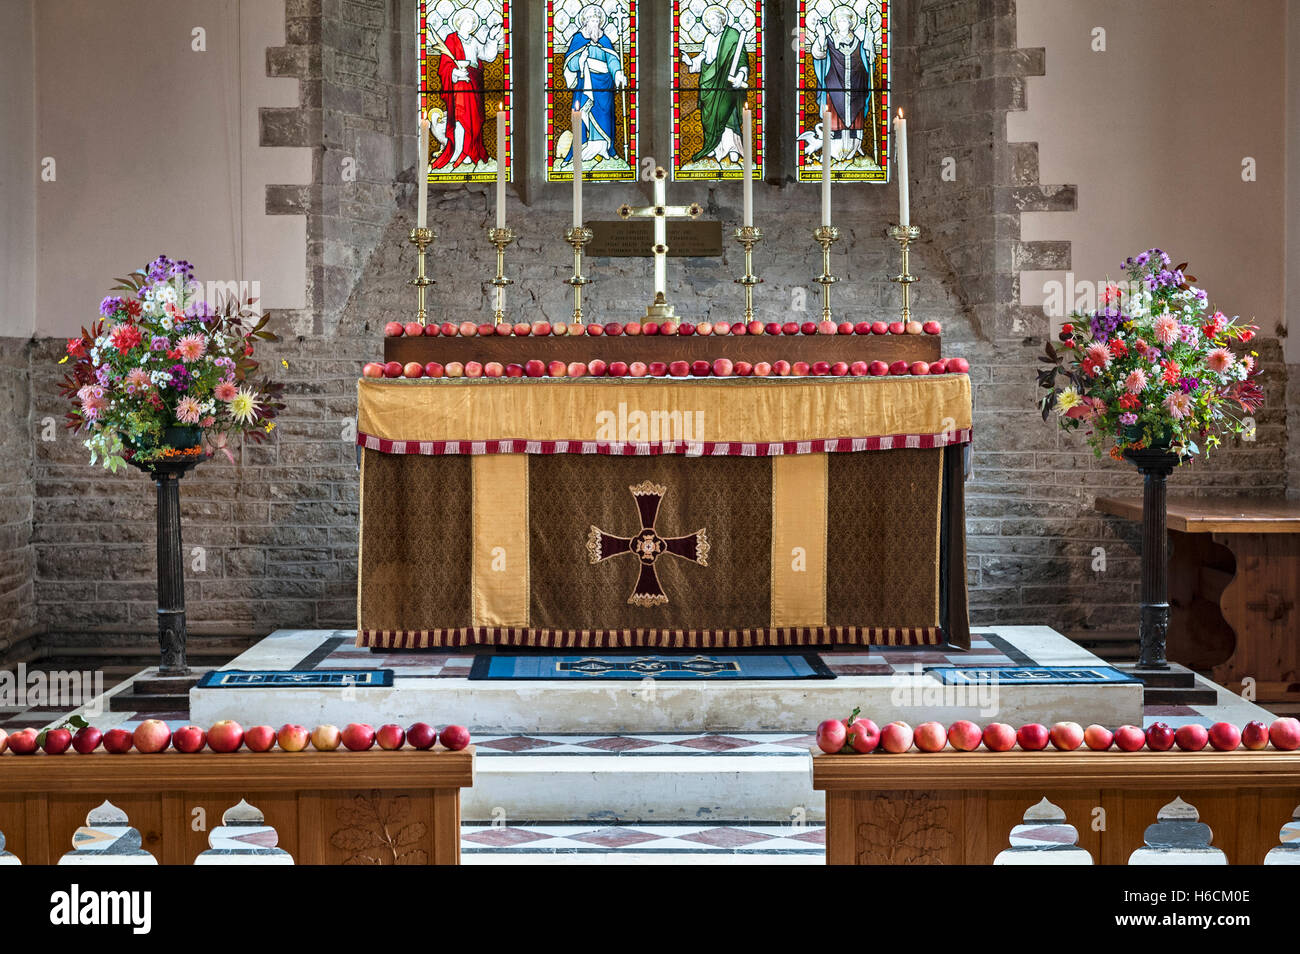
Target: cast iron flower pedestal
[[1165, 682], [173, 676]]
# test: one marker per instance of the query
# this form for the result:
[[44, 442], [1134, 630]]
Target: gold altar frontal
[[635, 513]]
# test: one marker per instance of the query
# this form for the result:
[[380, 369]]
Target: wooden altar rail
[[373, 807], [959, 807]]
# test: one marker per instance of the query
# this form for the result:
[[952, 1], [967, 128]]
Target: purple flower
[[1189, 384], [1142, 258], [1128, 419], [159, 343], [110, 306], [101, 375], [1104, 324]]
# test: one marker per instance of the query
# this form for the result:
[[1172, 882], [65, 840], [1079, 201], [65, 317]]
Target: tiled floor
[[640, 839]]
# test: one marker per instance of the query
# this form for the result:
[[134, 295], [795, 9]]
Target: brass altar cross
[[647, 546], [661, 212]]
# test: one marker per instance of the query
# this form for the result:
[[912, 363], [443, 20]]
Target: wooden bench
[[375, 807], [960, 807], [1233, 612]]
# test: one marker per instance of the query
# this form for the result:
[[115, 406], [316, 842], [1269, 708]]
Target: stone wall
[[271, 540], [17, 589]]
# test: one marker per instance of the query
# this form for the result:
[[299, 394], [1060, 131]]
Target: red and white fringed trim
[[652, 638], [832, 445]]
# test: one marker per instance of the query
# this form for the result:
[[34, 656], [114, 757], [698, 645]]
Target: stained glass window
[[844, 63], [464, 79], [717, 69], [591, 65]]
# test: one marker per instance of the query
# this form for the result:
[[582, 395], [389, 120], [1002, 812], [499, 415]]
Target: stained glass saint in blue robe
[[594, 71], [843, 53]]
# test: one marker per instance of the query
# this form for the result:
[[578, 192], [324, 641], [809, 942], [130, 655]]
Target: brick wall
[[277, 531], [17, 589]]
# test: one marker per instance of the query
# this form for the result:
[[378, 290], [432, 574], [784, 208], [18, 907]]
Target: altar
[[627, 513]]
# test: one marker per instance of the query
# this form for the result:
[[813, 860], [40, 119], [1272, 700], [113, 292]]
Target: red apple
[[1191, 737], [422, 735], [494, 369], [826, 327], [958, 365], [781, 368], [617, 369], [57, 741], [920, 367], [772, 328], [686, 328], [394, 329], [449, 330], [432, 330], [151, 736], [454, 369], [912, 328], [86, 740], [413, 329], [575, 369], [723, 367], [939, 367], [821, 367], [523, 328], [739, 328], [454, 737], [325, 738], [372, 369], [762, 369], [556, 369], [473, 369], [932, 328], [1284, 733], [790, 328], [832, 735], [541, 327], [1098, 737], [514, 370], [467, 329], [559, 328], [534, 367], [858, 369], [390, 737], [877, 368], [999, 737], [964, 735], [595, 331], [189, 738], [658, 369], [844, 328], [896, 737], [701, 368], [721, 328], [1033, 737], [650, 328], [744, 369], [1160, 737], [413, 369], [26, 741], [897, 328], [800, 369], [260, 738], [433, 370], [839, 369], [632, 328], [679, 369], [862, 328], [485, 329], [1067, 736], [393, 369], [1224, 736], [358, 736], [898, 367], [226, 736], [879, 328], [613, 329], [1253, 736], [116, 741], [1128, 738], [809, 327], [596, 367], [4, 740], [931, 736], [505, 330], [293, 737], [863, 736]]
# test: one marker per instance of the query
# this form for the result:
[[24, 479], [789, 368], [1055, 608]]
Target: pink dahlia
[[1136, 381], [1166, 328], [1179, 405], [1098, 355], [192, 347], [137, 379], [188, 411], [225, 391], [1219, 360]]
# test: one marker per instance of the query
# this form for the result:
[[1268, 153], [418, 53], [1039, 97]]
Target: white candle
[[904, 210], [826, 166], [575, 119], [661, 230], [501, 166], [749, 166], [422, 171]]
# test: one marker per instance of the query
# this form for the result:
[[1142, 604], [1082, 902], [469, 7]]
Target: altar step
[[732, 843], [620, 779]]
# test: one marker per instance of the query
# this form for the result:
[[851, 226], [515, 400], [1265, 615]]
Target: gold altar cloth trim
[[652, 638], [644, 410], [799, 540], [500, 561]]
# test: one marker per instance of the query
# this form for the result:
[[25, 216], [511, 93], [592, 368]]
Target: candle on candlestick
[[826, 166], [422, 173], [900, 151], [575, 120], [501, 165], [749, 166]]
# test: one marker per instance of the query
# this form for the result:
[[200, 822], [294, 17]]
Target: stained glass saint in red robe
[[462, 55]]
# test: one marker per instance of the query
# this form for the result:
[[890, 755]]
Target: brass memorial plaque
[[635, 238]]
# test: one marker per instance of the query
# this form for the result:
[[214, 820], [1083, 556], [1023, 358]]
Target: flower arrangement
[[1153, 367], [162, 370]]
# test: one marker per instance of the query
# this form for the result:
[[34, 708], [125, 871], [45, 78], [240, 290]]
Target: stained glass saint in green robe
[[724, 75]]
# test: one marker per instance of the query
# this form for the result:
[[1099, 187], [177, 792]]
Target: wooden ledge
[[1081, 769], [172, 771], [1236, 514]]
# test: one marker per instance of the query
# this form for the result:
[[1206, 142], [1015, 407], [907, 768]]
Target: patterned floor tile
[[724, 837], [621, 743], [501, 837], [715, 743], [615, 837], [514, 743]]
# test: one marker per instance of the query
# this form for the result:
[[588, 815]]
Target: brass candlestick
[[501, 238], [749, 236], [421, 239], [578, 236], [904, 235], [826, 236]]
